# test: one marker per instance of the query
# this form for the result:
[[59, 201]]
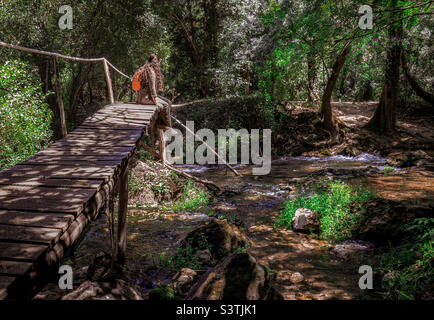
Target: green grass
[[185, 257], [339, 205], [135, 184], [411, 262], [387, 170], [192, 198]]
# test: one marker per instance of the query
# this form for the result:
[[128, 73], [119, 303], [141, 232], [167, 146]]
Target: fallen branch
[[207, 145], [209, 184], [154, 153]]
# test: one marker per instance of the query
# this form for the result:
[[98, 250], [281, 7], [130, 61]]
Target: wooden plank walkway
[[47, 201]]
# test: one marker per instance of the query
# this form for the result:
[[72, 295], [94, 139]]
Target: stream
[[302, 263]]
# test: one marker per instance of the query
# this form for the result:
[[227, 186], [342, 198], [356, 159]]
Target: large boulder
[[117, 290], [305, 220], [237, 277], [183, 281], [217, 236], [409, 159]]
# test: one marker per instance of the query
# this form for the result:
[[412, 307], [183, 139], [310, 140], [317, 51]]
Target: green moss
[[163, 292]]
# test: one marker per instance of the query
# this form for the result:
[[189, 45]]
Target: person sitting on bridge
[[147, 81]]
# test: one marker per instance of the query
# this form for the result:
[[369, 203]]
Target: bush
[[24, 116], [340, 207], [410, 263], [192, 198]]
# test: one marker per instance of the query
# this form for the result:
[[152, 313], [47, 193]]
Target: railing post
[[60, 98], [109, 81], [122, 216]]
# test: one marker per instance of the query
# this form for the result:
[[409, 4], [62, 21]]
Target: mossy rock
[[163, 292]]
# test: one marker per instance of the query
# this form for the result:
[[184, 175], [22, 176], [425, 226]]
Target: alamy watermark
[[228, 141], [66, 277], [366, 281], [366, 21], [66, 20]]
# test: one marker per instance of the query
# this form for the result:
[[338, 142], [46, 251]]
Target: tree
[[384, 118], [326, 108], [24, 116]]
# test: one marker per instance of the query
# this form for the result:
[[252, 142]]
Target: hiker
[[148, 81]]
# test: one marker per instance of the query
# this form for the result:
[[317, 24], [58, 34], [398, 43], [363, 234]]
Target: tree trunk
[[384, 118], [428, 97], [326, 107]]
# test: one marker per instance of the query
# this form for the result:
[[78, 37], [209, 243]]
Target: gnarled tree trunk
[[326, 107], [428, 97], [384, 119]]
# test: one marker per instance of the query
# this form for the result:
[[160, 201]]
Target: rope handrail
[[59, 55]]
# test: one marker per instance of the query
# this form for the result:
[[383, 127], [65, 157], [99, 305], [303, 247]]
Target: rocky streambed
[[199, 253]]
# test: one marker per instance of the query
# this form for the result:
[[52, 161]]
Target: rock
[[305, 220], [340, 252], [409, 159], [296, 277], [117, 290], [237, 277], [287, 276], [183, 281], [388, 277], [204, 256], [344, 250], [220, 237]]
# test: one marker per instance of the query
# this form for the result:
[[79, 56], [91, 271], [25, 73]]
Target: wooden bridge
[[47, 201]]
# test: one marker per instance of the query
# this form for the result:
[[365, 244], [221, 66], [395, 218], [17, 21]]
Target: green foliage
[[192, 198], [410, 264], [135, 184], [241, 250], [387, 170], [163, 292], [339, 205], [24, 116], [185, 256], [160, 187]]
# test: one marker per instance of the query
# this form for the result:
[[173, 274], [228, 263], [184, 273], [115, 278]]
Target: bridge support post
[[109, 82], [59, 98], [122, 216]]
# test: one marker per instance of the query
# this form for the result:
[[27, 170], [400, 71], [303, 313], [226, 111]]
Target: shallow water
[[255, 205]]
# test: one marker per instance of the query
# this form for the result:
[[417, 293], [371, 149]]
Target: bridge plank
[[63, 183], [35, 235], [73, 206], [121, 152], [21, 251], [44, 192], [66, 161], [57, 171], [5, 282], [13, 268], [36, 219], [78, 158]]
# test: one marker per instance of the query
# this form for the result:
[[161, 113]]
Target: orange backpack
[[136, 83]]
